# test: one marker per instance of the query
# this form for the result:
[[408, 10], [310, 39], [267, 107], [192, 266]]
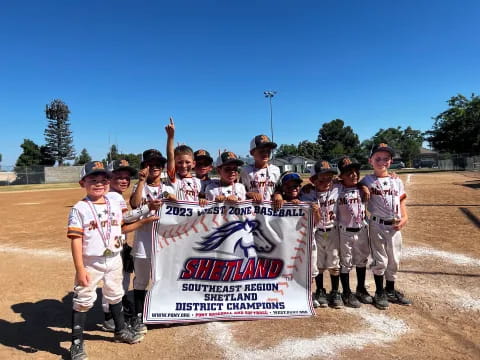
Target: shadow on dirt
[[442, 273], [36, 332]]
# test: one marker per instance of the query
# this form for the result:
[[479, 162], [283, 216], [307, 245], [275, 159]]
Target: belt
[[353, 229], [383, 222], [326, 229]]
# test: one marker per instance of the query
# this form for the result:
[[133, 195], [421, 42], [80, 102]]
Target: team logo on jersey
[[230, 237]]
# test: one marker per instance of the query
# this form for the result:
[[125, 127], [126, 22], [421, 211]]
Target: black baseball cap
[[261, 141], [322, 167], [382, 147], [117, 165], [227, 158], [153, 155], [94, 168], [202, 154], [345, 164]]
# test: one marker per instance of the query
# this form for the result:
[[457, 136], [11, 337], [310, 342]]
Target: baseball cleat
[[396, 297], [108, 325], [363, 296], [128, 335], [350, 300], [137, 324], [77, 350], [321, 297], [380, 300], [335, 300]]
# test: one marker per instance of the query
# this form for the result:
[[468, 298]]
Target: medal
[[104, 235], [107, 252]]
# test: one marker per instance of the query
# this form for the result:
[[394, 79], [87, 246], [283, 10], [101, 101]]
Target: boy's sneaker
[[128, 335], [363, 296], [396, 297], [321, 297], [380, 300], [108, 325], [315, 302], [77, 351], [350, 300], [336, 301], [137, 324]]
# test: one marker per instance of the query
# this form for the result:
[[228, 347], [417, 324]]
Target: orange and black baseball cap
[[262, 141], [118, 165], [153, 155], [202, 155], [228, 158], [382, 147], [94, 168], [322, 167], [346, 163]]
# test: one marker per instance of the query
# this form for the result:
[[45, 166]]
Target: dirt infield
[[440, 272]]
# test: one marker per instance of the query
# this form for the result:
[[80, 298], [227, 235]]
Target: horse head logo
[[245, 235]]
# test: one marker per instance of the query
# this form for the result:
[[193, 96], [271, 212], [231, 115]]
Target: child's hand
[[277, 201], [170, 129], [149, 219], [220, 198], [202, 202], [295, 201], [154, 205], [143, 174], [171, 197], [83, 277], [400, 224], [231, 199], [256, 197], [364, 192]]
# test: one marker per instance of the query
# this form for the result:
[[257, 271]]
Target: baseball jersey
[[261, 181], [186, 189], [205, 183], [327, 202], [142, 246], [385, 196], [99, 226], [115, 196], [351, 210], [217, 189]]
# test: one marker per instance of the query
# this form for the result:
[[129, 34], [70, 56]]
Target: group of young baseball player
[[343, 235]]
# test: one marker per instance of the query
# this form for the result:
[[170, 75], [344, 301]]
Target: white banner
[[223, 262]]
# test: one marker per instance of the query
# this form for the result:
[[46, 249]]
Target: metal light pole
[[270, 94]]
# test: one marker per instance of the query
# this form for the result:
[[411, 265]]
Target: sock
[[128, 310], [78, 324], [117, 314], [335, 282], [139, 299], [378, 283], [345, 279], [319, 281], [361, 271], [108, 316], [390, 287]]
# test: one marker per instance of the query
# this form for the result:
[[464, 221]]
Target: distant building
[[426, 159], [299, 164]]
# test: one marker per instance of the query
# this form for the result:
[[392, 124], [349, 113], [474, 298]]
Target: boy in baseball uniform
[[226, 189], [325, 252], [261, 177], [148, 189], [203, 166], [180, 162], [388, 215], [353, 232], [95, 231]]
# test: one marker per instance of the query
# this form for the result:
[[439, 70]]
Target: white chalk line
[[408, 181], [458, 259], [46, 253], [380, 329], [28, 203]]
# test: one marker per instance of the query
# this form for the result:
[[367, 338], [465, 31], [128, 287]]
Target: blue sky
[[124, 67]]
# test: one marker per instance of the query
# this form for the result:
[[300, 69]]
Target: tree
[[58, 136], [285, 150], [83, 158], [310, 150], [28, 166], [337, 139], [31, 154], [457, 129], [113, 154]]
